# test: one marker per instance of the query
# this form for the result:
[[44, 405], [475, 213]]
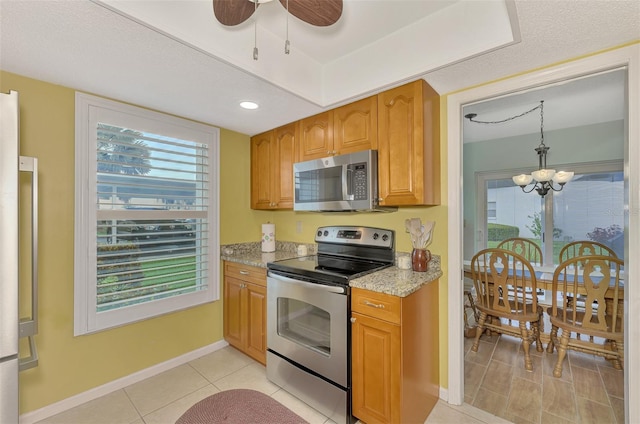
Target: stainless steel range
[[308, 309]]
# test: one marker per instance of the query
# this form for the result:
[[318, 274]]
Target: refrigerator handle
[[29, 326]]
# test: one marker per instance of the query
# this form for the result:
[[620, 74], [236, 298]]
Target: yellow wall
[[70, 365]]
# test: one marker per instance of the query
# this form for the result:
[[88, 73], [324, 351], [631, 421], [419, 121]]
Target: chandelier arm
[[530, 190], [556, 189]]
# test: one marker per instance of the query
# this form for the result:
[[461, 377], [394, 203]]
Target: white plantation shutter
[[147, 194]]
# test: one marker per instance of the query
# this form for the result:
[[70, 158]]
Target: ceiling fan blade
[[233, 12], [315, 12]]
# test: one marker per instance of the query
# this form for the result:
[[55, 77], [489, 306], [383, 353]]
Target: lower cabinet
[[245, 309], [395, 359]]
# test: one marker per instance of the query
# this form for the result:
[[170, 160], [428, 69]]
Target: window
[[146, 234], [590, 207]]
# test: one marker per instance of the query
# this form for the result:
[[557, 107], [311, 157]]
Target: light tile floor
[[165, 397], [589, 391]]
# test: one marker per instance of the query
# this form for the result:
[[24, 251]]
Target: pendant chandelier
[[544, 178]]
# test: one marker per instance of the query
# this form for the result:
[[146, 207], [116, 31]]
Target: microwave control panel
[[359, 178]]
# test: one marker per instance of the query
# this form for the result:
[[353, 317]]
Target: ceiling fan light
[[522, 179], [563, 177]]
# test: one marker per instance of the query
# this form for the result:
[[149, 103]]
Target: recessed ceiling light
[[249, 105]]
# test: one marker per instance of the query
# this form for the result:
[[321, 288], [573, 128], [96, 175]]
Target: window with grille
[[146, 214], [590, 207]]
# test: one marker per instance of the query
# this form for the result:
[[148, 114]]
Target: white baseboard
[[96, 392], [444, 394]]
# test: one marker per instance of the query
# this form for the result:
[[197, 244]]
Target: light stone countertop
[[251, 254], [399, 282], [392, 280]]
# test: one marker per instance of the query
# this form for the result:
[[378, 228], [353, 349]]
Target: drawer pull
[[374, 305], [243, 272]]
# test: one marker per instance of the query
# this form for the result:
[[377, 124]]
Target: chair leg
[[526, 342], [476, 343], [552, 336], [562, 352], [537, 331], [472, 304], [615, 348]]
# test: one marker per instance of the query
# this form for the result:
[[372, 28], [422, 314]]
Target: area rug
[[239, 406]]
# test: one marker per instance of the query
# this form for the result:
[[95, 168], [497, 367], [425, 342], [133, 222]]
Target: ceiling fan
[[314, 12]]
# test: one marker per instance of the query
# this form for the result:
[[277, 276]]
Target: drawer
[[377, 305], [252, 274]]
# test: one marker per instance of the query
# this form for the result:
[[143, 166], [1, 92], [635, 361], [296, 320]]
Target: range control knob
[[385, 237], [375, 236], [319, 233], [326, 233]]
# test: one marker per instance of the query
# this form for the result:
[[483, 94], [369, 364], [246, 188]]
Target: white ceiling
[[173, 56], [592, 99]]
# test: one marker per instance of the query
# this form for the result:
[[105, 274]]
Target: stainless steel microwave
[[338, 183]]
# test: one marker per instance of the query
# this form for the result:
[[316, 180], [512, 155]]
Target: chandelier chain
[[470, 116]]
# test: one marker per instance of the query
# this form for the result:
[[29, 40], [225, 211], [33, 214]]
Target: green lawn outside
[[154, 274]]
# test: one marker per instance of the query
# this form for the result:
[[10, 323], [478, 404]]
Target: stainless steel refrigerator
[[12, 328]]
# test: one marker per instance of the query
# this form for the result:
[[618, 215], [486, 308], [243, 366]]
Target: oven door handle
[[315, 286]]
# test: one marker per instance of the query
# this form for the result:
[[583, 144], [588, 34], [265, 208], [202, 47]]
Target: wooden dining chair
[[504, 282], [584, 248], [523, 247], [599, 315]]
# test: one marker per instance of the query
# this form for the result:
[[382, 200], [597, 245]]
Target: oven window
[[304, 324]]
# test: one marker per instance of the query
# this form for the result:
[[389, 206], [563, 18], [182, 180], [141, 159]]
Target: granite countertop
[[251, 254], [392, 280]]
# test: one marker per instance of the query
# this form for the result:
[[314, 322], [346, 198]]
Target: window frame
[[481, 198], [90, 109]]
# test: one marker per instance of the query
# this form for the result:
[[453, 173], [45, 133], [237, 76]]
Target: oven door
[[307, 324]]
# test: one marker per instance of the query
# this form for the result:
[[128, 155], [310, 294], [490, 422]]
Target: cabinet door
[[284, 151], [257, 321], [261, 171], [355, 126], [234, 315], [408, 145], [316, 136], [376, 373]]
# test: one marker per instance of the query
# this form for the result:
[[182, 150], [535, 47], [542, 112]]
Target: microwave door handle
[[347, 183]]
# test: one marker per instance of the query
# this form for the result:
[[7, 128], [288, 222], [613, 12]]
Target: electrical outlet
[[298, 227]]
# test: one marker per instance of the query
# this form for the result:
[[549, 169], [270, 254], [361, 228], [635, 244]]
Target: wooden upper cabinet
[[409, 145], [347, 129], [285, 139], [272, 156], [355, 126], [261, 170], [316, 136]]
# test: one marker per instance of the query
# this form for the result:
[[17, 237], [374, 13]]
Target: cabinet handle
[[243, 286], [352, 319], [374, 305], [243, 272]]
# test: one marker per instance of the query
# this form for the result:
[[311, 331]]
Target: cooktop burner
[[344, 253]]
